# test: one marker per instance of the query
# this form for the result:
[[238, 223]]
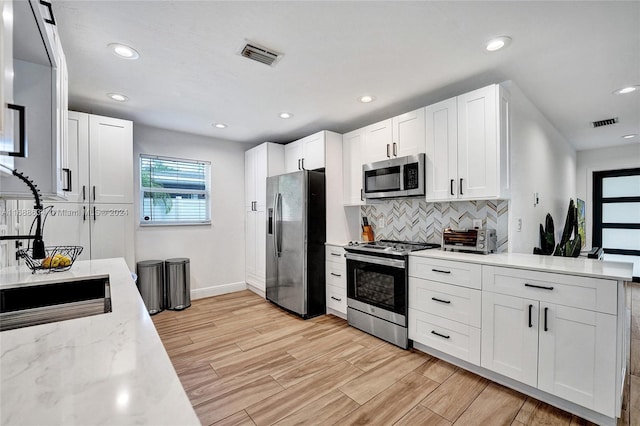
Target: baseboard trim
[[200, 293], [256, 290]]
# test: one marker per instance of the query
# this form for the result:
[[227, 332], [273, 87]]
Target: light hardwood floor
[[243, 361]]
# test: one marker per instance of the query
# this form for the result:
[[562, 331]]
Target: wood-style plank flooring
[[243, 361]]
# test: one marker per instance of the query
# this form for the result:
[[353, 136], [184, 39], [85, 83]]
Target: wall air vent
[[260, 54], [607, 122]]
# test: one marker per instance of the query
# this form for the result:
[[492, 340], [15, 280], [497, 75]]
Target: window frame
[[206, 192], [598, 203]]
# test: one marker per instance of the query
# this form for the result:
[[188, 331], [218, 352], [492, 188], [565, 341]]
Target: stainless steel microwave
[[394, 178]]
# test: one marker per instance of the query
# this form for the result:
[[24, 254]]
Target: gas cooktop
[[383, 247]]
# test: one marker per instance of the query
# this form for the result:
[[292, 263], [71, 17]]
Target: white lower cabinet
[[336, 279], [565, 351]]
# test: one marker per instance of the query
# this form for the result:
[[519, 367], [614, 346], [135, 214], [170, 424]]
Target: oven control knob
[[481, 245], [481, 237]]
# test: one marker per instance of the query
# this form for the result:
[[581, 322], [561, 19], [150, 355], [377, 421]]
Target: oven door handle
[[377, 260]]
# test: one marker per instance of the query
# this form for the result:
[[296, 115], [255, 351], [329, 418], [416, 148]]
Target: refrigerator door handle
[[278, 236]]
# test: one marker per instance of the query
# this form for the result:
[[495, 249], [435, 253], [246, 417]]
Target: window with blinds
[[174, 191]]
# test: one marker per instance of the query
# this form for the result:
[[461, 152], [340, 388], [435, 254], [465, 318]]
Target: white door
[[352, 144], [510, 336], [260, 176], [577, 356], [409, 133], [76, 158], [67, 224], [292, 157], [442, 150], [478, 144], [249, 177], [260, 248], [111, 228], [313, 152], [111, 165], [250, 244], [378, 141]]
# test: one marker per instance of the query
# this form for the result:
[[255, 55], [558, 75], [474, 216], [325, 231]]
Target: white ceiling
[[568, 57]]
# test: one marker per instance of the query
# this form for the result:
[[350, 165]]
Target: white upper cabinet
[[408, 133], [111, 160], [352, 153], [378, 141], [76, 157], [305, 154], [7, 141], [396, 137], [467, 140]]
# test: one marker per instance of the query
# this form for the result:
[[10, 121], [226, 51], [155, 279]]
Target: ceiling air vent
[[607, 122], [260, 54]]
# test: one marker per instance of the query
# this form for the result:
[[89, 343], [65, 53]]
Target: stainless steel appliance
[[295, 242], [469, 240], [397, 177], [377, 278]]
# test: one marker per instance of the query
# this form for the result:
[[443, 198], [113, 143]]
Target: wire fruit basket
[[58, 258]]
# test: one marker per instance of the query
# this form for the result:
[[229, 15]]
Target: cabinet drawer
[[453, 302], [594, 294], [453, 338], [446, 271], [335, 254], [337, 299], [336, 274]]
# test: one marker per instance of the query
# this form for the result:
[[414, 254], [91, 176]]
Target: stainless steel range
[[377, 281]]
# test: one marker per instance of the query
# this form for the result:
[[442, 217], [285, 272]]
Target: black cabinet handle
[[451, 186], [336, 275], [83, 193], [440, 300], [461, 187], [441, 271], [388, 152], [336, 299], [302, 164], [395, 149], [51, 20], [335, 254], [538, 286], [94, 192], [84, 213], [361, 194], [94, 213], [441, 335], [545, 319], [299, 164], [530, 320], [68, 174], [22, 125]]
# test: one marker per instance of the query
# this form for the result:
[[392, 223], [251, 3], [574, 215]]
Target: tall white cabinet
[[261, 162], [467, 146], [99, 212]]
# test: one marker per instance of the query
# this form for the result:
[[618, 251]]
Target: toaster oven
[[469, 240]]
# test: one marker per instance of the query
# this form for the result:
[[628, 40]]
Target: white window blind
[[174, 191]]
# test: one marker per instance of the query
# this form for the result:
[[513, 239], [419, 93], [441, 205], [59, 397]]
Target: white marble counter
[[563, 265], [108, 369]]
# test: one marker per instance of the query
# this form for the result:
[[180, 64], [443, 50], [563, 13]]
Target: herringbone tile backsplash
[[418, 220]]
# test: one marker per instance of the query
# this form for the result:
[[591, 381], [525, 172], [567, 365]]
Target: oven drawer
[[334, 254], [594, 294], [453, 302], [446, 271], [337, 298], [458, 340], [336, 274]]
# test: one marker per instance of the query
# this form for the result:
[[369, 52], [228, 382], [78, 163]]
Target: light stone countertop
[[108, 369], [583, 266]]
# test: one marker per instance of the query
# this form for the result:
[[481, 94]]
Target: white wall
[[217, 250], [594, 160], [542, 161]]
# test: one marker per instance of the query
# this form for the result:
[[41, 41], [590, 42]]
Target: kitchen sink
[[59, 301]]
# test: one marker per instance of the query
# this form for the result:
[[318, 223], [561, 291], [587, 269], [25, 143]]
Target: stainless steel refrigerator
[[295, 242]]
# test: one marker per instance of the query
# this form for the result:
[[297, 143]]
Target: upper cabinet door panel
[[352, 145], [250, 177], [292, 157], [409, 133], [111, 172], [378, 141], [76, 156], [313, 152], [442, 150]]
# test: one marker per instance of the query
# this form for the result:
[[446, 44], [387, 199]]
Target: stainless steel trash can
[[151, 284], [177, 274]]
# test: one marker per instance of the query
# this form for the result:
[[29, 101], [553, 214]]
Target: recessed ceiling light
[[366, 99], [626, 90], [629, 136], [117, 97], [286, 115], [220, 125], [497, 43], [123, 51]]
